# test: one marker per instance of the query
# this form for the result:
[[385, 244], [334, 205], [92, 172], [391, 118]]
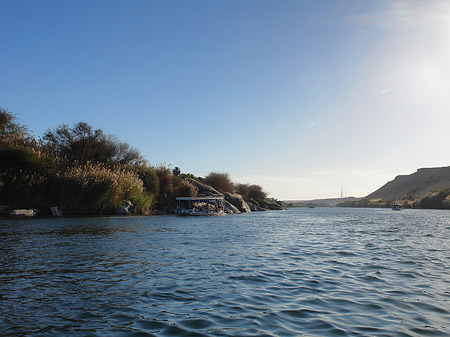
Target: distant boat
[[396, 206]]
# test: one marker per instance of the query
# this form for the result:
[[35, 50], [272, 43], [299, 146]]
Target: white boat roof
[[200, 198]]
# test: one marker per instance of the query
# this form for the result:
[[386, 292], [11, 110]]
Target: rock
[[237, 201], [121, 210], [125, 208], [275, 206], [22, 212], [230, 209], [256, 206], [263, 205], [55, 211], [203, 189]]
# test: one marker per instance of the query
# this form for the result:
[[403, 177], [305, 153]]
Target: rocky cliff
[[414, 185]]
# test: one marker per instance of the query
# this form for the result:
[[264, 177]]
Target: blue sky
[[301, 97]]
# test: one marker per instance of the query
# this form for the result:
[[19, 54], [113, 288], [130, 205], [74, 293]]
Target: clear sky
[[301, 97]]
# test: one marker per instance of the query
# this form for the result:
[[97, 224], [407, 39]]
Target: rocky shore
[[235, 203]]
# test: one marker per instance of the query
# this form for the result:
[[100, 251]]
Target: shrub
[[220, 181], [166, 199], [84, 144], [257, 192], [149, 177], [242, 189], [25, 174], [251, 191], [183, 188], [97, 189]]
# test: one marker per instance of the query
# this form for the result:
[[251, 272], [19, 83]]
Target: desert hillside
[[414, 185]]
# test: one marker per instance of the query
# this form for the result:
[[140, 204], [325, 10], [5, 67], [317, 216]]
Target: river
[[300, 272]]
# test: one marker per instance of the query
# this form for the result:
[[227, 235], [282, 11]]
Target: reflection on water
[[322, 271]]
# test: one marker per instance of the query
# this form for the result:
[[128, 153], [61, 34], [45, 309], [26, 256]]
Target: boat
[[396, 206], [198, 206]]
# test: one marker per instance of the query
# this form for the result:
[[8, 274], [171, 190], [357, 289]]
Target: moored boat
[[213, 205]]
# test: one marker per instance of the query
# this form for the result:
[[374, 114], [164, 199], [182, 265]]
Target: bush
[[242, 189], [25, 174], [219, 181], [96, 189], [149, 177], [166, 199], [85, 144], [251, 191], [257, 192], [183, 188]]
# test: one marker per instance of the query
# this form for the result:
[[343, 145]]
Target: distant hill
[[331, 202], [414, 185]]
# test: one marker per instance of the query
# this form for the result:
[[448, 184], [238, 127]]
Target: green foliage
[[183, 188], [9, 125], [166, 198], [25, 174], [84, 144], [220, 181], [23, 158], [84, 171], [176, 171], [242, 189], [257, 193], [374, 203], [251, 191], [97, 189], [149, 177], [191, 176]]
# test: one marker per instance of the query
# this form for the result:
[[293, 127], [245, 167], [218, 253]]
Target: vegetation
[[219, 181], [84, 144], [433, 200], [79, 169], [430, 200], [251, 191], [82, 170]]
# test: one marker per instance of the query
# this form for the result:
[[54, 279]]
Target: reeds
[[95, 188]]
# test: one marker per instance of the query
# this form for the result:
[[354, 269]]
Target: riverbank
[[83, 171]]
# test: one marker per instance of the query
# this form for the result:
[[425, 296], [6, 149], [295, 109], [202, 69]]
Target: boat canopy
[[207, 205], [200, 198]]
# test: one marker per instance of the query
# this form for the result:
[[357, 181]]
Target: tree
[[183, 188], [9, 125], [242, 189], [176, 171], [149, 178], [219, 181], [251, 191], [84, 144], [257, 193], [11, 132]]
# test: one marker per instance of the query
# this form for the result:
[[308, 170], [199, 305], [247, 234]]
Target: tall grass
[[97, 189]]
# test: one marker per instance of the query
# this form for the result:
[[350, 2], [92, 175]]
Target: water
[[307, 272]]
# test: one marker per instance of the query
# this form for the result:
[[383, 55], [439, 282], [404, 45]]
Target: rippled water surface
[[312, 272]]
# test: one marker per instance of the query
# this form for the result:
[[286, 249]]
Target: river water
[[301, 272]]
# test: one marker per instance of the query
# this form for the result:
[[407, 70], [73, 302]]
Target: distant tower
[[342, 192]]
